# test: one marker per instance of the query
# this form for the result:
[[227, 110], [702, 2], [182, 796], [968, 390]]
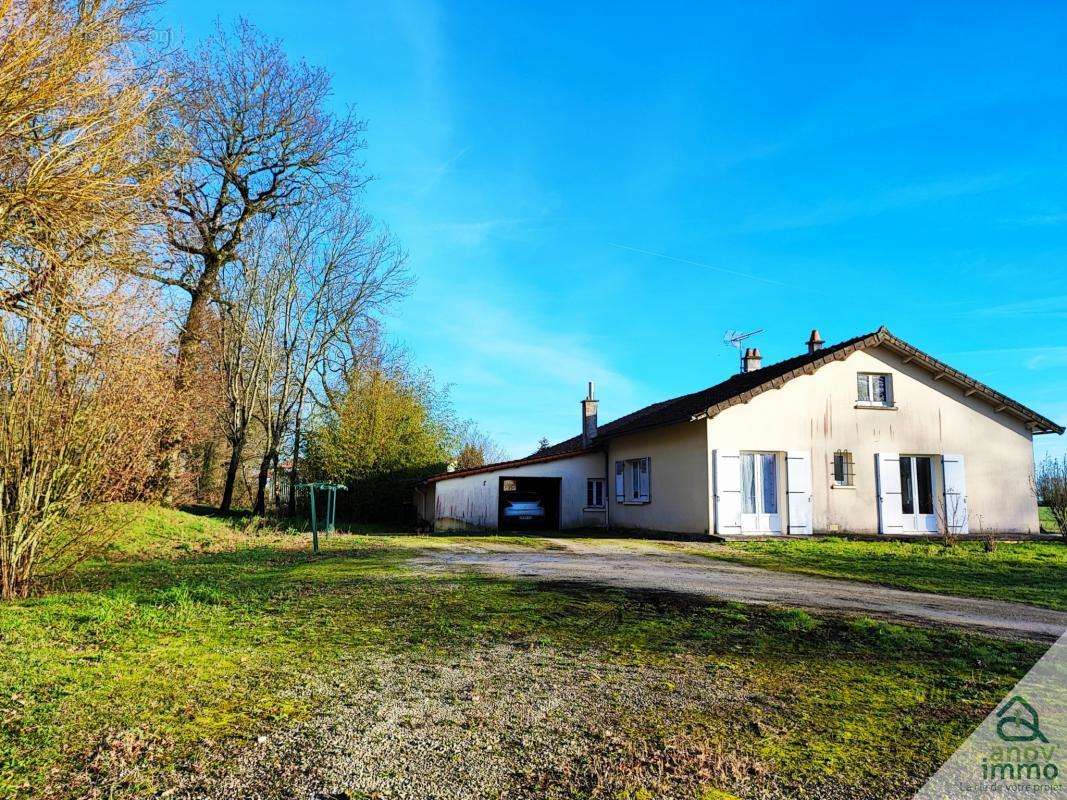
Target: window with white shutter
[[633, 480]]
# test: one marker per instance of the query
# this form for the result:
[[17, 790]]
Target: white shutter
[[798, 490], [644, 484], [620, 481], [889, 507], [955, 493], [727, 468]]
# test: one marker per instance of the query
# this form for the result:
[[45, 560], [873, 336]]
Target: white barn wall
[[471, 502], [817, 412]]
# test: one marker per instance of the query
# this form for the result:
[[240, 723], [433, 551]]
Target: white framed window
[[633, 479], [874, 389], [844, 472], [594, 493]]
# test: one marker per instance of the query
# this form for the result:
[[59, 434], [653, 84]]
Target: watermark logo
[[1028, 763], [1017, 721], [1018, 751]]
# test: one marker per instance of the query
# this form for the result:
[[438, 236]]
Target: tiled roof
[[691, 406], [742, 387]]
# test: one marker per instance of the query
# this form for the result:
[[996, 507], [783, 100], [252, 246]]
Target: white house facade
[[868, 436]]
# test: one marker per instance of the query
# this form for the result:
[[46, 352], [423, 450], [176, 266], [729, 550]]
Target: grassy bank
[[188, 638], [1022, 572]]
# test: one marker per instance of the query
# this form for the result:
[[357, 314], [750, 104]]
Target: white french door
[[759, 493], [917, 494]]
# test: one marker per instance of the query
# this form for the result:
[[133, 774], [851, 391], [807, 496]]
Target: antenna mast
[[735, 339]]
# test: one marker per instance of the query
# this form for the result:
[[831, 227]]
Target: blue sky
[[600, 191]]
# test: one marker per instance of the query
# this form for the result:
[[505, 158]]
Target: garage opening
[[529, 504]]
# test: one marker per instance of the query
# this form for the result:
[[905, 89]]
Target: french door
[[917, 494], [759, 493]]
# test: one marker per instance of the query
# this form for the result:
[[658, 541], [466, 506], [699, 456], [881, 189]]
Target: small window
[[632, 480], [594, 493], [874, 389], [843, 472]]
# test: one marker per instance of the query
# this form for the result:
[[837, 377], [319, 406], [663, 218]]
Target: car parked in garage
[[524, 506]]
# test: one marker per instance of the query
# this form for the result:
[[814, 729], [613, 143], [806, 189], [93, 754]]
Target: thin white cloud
[[871, 204], [521, 378], [473, 233], [1032, 358], [1048, 307], [438, 172], [1039, 220]]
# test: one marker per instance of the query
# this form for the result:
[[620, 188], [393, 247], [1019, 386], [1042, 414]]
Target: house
[[870, 435]]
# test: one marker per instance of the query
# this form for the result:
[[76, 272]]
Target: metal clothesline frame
[[331, 509]]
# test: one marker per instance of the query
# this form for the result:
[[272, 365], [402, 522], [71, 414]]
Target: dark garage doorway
[[529, 504]]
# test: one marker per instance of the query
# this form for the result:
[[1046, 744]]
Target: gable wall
[[817, 413]]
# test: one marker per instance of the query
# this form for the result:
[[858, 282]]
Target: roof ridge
[[742, 386]]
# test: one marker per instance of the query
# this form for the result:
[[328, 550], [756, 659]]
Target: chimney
[[751, 360], [815, 341], [589, 407]]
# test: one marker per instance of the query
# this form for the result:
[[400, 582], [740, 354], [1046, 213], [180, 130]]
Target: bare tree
[[252, 292], [339, 270], [1050, 488], [477, 448], [259, 140]]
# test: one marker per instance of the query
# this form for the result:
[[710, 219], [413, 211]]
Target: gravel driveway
[[502, 723], [630, 565]]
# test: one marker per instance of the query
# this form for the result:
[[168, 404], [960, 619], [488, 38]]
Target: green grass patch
[[1022, 572], [1048, 522], [179, 640]]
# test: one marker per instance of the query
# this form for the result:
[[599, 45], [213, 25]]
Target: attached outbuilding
[[870, 435]]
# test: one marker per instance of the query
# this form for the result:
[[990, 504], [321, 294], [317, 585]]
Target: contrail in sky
[[701, 264]]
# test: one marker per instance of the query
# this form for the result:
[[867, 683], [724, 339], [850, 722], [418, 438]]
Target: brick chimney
[[589, 408], [815, 341], [751, 360]]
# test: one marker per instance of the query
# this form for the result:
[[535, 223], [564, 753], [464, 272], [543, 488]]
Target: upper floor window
[[874, 389]]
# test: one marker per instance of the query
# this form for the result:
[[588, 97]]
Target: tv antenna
[[735, 339]]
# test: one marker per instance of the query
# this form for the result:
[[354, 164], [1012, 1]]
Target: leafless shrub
[[80, 366], [951, 513], [1050, 488], [77, 428]]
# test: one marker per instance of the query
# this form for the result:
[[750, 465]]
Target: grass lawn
[[186, 641], [1048, 522], [1023, 572]]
